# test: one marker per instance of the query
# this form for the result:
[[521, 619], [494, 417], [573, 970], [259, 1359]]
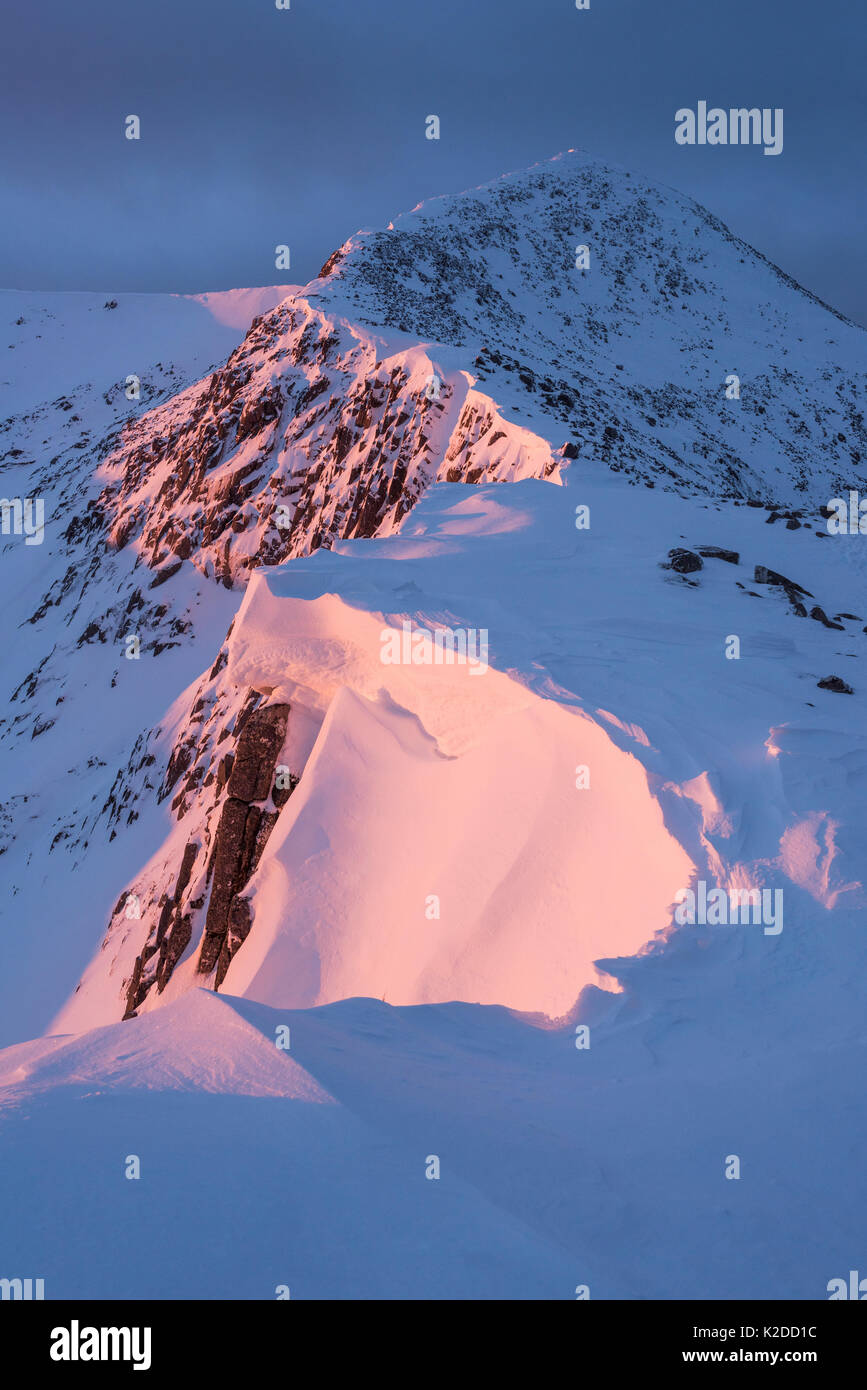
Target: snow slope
[[253, 1178], [599, 1169], [69, 343]]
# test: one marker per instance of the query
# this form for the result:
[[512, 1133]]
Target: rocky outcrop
[[718, 552], [794, 592], [819, 615], [240, 922], [683, 561], [256, 757], [242, 834], [249, 468], [247, 800], [763, 575], [172, 938], [235, 833], [837, 684]]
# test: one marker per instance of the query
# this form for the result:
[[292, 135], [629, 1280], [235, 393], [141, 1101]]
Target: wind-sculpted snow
[[434, 839]]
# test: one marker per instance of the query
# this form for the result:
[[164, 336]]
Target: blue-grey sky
[[262, 126]]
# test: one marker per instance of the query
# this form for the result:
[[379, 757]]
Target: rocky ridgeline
[[321, 427], [306, 436]]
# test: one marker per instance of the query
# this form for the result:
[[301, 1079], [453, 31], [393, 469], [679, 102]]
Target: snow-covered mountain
[[231, 766], [329, 420]]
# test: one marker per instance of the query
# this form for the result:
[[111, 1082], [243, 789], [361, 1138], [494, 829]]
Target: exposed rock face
[[175, 946], [187, 863], [242, 834], [240, 922], [256, 757], [228, 857], [283, 789], [244, 810], [242, 470], [172, 938]]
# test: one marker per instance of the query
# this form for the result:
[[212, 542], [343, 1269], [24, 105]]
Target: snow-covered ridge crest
[[350, 397], [346, 825], [316, 429], [374, 750], [627, 358]]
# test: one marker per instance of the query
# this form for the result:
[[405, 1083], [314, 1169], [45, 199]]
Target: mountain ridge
[[324, 428]]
